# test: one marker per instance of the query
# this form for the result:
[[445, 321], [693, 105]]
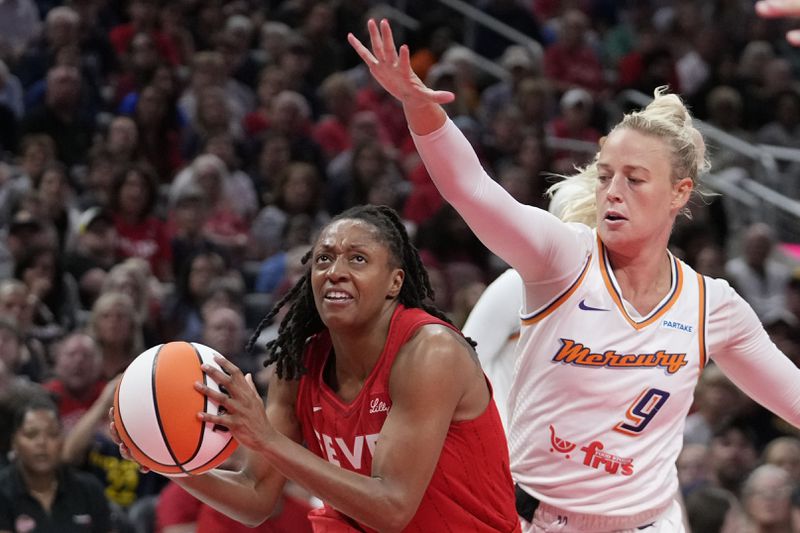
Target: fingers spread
[[389, 48], [376, 40], [361, 50]]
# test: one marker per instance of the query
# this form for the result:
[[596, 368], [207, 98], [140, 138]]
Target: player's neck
[[644, 280]]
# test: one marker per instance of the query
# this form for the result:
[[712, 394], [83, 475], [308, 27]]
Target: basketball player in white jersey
[[616, 330], [494, 322]]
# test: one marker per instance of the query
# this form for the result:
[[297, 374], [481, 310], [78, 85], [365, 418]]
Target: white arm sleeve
[[739, 345], [537, 244], [495, 317]]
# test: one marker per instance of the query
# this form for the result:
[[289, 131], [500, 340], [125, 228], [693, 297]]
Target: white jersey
[[494, 324], [614, 387], [626, 376]]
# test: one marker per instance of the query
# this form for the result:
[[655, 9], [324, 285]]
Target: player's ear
[[397, 283]]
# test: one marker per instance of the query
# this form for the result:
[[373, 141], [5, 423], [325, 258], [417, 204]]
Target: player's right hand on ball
[[123, 450]]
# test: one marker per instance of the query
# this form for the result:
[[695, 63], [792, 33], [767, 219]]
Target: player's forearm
[[369, 500], [233, 494]]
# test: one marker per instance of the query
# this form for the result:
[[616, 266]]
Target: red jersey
[[471, 488]]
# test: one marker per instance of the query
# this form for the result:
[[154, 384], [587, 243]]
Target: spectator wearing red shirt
[[143, 18], [570, 62], [77, 382], [141, 234]]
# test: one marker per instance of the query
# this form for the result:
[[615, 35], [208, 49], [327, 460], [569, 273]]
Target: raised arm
[[431, 378], [745, 353], [531, 240]]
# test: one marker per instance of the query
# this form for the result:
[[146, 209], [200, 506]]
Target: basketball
[[156, 406]]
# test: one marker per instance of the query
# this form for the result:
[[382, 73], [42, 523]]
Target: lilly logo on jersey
[[376, 405], [593, 455], [575, 353]]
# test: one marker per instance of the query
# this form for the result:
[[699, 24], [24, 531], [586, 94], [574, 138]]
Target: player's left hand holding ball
[[244, 412]]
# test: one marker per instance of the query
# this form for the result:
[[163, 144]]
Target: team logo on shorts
[[593, 455]]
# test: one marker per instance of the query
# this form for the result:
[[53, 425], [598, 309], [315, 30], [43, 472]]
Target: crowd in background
[[166, 164]]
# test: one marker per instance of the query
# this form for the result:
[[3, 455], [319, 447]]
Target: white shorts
[[549, 521]]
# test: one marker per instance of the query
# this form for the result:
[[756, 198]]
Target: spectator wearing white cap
[[573, 124]]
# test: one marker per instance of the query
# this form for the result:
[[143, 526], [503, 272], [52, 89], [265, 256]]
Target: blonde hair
[[667, 118], [109, 300]]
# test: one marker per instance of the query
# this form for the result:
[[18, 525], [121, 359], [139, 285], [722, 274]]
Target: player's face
[[637, 198], [353, 275], [37, 443]]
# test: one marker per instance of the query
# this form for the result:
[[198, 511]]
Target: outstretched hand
[[781, 8], [392, 69]]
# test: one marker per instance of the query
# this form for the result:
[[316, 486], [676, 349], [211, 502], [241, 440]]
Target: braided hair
[[302, 321]]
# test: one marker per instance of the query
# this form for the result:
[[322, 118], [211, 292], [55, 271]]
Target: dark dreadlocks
[[302, 321]]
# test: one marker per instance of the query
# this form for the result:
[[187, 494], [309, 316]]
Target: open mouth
[[337, 296], [614, 216]]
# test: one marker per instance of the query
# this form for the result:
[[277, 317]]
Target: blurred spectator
[[299, 192], [239, 187], [89, 447], [37, 491], [503, 136], [141, 234], [20, 25], [271, 83], [11, 94], [115, 326], [759, 277], [223, 225], [291, 116], [133, 278], [332, 131], [61, 29], [522, 63], [189, 213], [571, 62], [213, 117], [717, 400], [725, 111], [62, 116], [784, 452], [15, 392], [295, 63], [573, 124], [272, 163], [181, 315], [274, 269], [766, 498], [273, 41], [208, 70], [94, 253], [35, 153], [17, 305], [55, 292], [143, 18], [369, 161], [56, 195], [438, 37], [13, 355], [233, 42], [732, 454], [490, 43], [319, 27], [140, 60], [692, 465], [713, 510], [76, 383], [158, 122], [122, 140]]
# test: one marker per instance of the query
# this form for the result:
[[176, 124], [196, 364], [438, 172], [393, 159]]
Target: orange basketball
[[156, 406]]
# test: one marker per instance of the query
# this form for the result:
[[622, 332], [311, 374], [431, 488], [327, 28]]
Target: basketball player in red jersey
[[400, 429]]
